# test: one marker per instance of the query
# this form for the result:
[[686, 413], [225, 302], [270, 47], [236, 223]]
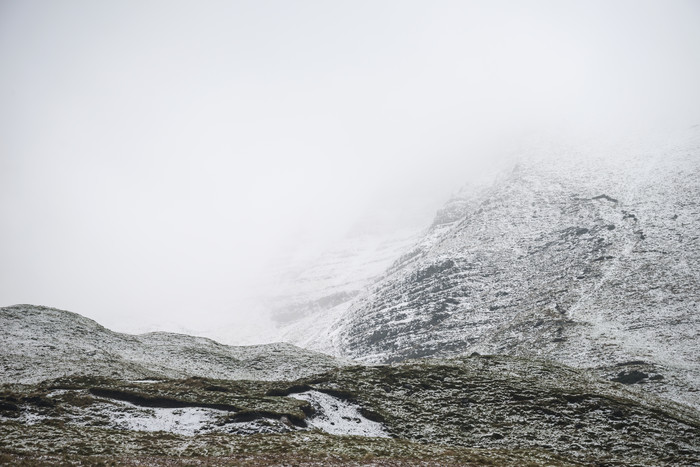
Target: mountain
[[549, 318], [587, 255], [39, 343]]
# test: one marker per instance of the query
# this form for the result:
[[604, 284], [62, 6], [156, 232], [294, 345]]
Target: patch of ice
[[339, 417], [186, 421]]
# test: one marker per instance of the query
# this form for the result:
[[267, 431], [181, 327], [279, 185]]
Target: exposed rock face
[[39, 343], [590, 258]]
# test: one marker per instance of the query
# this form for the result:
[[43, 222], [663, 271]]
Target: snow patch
[[29, 417], [186, 421], [339, 417]]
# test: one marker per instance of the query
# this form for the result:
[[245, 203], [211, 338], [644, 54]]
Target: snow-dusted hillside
[[39, 343], [337, 275], [309, 293], [588, 255]]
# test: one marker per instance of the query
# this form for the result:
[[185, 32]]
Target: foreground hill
[[585, 255], [39, 343], [478, 410]]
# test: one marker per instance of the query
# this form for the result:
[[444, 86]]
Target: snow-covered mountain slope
[[39, 343], [312, 287], [308, 296], [589, 256]]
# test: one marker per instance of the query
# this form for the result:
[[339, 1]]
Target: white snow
[[339, 417], [29, 417], [186, 421], [332, 415], [121, 415]]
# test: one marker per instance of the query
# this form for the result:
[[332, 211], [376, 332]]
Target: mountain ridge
[[39, 343]]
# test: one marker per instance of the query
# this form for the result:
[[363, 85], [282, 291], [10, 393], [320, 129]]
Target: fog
[[159, 159]]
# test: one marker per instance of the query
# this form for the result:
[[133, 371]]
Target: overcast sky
[[157, 157]]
